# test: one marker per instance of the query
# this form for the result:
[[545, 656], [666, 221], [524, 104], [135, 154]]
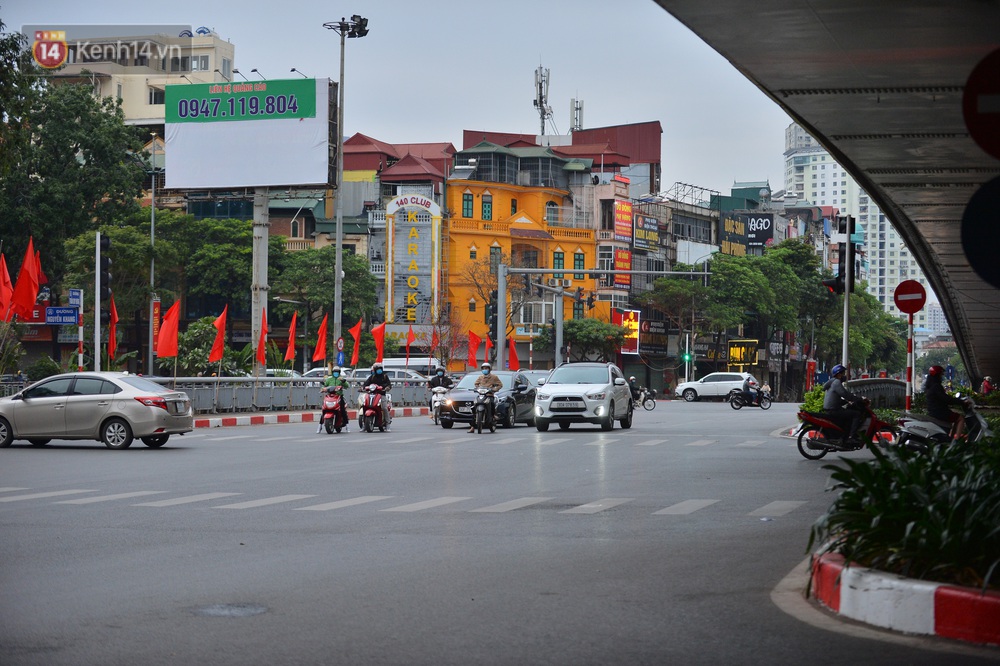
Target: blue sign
[[76, 297], [340, 358], [950, 372], [61, 315]]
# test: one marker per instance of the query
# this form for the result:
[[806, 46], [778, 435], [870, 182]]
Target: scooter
[[738, 400], [820, 435], [919, 432], [370, 414], [333, 415], [647, 398], [483, 411], [437, 399]]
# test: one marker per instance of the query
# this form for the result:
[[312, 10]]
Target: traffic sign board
[[909, 296], [981, 103], [340, 358], [76, 297], [340, 344], [61, 315]]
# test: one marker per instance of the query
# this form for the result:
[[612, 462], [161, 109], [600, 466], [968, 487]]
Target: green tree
[[20, 86], [587, 339], [193, 348]]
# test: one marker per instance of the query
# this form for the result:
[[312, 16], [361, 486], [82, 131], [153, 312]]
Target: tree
[[481, 276], [587, 339], [20, 86], [193, 348]]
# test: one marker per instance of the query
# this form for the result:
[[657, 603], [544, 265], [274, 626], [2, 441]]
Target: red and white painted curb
[[290, 417], [906, 605]]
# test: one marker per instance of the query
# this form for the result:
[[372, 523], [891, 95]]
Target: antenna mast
[[542, 95]]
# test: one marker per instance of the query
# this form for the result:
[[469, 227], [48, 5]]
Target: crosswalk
[[384, 503]]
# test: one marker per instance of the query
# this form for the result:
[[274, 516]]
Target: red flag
[[166, 342], [290, 352], [410, 337], [219, 346], [435, 341], [26, 290], [378, 332], [489, 346], [42, 278], [113, 330], [356, 334], [6, 290], [262, 342], [474, 341], [319, 354], [515, 363]]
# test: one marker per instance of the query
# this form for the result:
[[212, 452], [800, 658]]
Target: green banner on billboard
[[249, 100]]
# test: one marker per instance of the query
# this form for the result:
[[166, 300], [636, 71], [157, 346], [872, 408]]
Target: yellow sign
[[743, 352]]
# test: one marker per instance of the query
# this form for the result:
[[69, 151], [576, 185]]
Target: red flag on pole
[[435, 341], [410, 337], [356, 334], [262, 342], [219, 346], [378, 332], [515, 362], [113, 331], [42, 278], [26, 290], [474, 341], [489, 346], [319, 354], [166, 342], [290, 352], [6, 290]]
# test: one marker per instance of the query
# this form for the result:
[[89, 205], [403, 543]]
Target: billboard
[[412, 276], [647, 233], [733, 236], [248, 134], [759, 229], [623, 221], [628, 319], [623, 262]]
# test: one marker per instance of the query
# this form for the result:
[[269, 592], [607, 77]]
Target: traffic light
[[491, 313], [538, 288], [834, 284], [686, 356], [591, 301], [104, 273], [579, 295]]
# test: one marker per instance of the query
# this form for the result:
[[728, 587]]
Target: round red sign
[[909, 296]]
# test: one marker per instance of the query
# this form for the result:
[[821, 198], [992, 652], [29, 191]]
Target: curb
[[291, 417], [903, 604]]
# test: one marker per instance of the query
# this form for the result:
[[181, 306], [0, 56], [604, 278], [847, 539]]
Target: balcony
[[377, 267], [295, 244], [376, 219]]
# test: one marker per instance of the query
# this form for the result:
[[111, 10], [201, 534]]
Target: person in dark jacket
[[840, 404], [379, 378], [939, 403], [439, 379]]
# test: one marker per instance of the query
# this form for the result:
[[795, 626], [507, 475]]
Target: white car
[[715, 385], [584, 393]]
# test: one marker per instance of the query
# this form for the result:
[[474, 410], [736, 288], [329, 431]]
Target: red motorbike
[[819, 434], [334, 415], [370, 414]]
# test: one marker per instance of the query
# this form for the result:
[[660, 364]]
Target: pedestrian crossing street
[[380, 503]]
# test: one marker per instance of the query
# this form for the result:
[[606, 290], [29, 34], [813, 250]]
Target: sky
[[430, 69]]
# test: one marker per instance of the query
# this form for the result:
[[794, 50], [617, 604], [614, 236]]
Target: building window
[[577, 310], [295, 228], [494, 260], [551, 212], [227, 68], [557, 262], [467, 205], [199, 63], [513, 206], [472, 253], [156, 95], [472, 305], [487, 206], [578, 263]]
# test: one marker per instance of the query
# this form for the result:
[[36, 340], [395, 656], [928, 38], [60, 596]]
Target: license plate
[[565, 405]]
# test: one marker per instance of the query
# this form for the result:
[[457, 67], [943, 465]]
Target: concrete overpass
[[880, 83]]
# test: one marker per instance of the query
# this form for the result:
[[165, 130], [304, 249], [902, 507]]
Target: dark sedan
[[515, 401]]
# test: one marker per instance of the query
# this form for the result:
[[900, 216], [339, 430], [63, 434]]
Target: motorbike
[[918, 432], [647, 398], [738, 400], [819, 434], [483, 411], [332, 417], [370, 414], [437, 399]]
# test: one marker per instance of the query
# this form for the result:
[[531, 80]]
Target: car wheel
[[6, 433], [564, 425], [116, 434], [626, 421], [541, 424], [155, 441], [39, 441], [508, 421], [690, 395], [446, 424], [608, 422]]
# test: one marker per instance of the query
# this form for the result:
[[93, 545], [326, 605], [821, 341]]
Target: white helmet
[[486, 366]]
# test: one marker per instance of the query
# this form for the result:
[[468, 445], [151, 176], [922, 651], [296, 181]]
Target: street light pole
[[356, 27], [150, 370]]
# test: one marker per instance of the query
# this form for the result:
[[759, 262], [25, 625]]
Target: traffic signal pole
[[97, 303], [848, 260]]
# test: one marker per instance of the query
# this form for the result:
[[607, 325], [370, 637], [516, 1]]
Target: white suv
[[715, 385], [584, 393]]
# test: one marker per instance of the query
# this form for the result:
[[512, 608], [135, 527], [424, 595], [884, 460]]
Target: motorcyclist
[[334, 381], [750, 392], [635, 389], [439, 379], [487, 380], [840, 404], [939, 402], [379, 378]]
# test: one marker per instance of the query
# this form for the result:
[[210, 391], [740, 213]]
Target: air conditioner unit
[[554, 282], [567, 283]]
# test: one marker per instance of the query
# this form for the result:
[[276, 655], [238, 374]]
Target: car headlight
[[447, 401], [597, 396], [542, 396]]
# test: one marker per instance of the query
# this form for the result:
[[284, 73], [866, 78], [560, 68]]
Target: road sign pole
[[909, 363]]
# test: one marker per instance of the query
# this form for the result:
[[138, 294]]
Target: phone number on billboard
[[237, 107]]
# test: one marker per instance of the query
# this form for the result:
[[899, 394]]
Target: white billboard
[[249, 134]]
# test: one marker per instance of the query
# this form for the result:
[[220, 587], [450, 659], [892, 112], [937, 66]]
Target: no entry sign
[[981, 104], [909, 296]]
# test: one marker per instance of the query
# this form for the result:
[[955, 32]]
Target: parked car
[[584, 393], [535, 376], [715, 385], [515, 401], [111, 407]]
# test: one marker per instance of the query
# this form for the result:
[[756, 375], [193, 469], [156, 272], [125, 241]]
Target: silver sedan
[[110, 407]]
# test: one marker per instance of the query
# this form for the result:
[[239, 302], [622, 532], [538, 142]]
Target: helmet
[[486, 366], [376, 366], [440, 371], [336, 368], [837, 369], [632, 378], [935, 371]]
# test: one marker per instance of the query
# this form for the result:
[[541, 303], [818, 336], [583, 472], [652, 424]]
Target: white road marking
[[508, 440], [751, 442], [252, 504], [223, 439], [109, 498], [8, 490], [511, 505], [778, 508], [600, 442], [429, 504], [685, 507], [354, 501], [599, 505], [541, 439], [651, 442], [190, 499], [411, 440], [56, 493], [701, 442]]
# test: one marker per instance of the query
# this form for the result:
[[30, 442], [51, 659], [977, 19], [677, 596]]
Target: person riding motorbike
[[487, 380], [939, 402], [439, 379], [332, 382], [379, 377], [634, 388], [750, 391], [840, 404]]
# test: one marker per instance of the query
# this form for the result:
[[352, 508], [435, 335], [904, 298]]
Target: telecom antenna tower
[[575, 115], [542, 95]]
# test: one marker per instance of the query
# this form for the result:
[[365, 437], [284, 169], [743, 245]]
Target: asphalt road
[[663, 544]]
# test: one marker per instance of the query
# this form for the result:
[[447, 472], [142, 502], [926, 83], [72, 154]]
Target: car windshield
[[142, 384], [578, 375], [534, 376], [469, 381]]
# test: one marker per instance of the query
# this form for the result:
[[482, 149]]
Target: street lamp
[[150, 370], [254, 71], [236, 71], [356, 27], [305, 332], [299, 73]]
